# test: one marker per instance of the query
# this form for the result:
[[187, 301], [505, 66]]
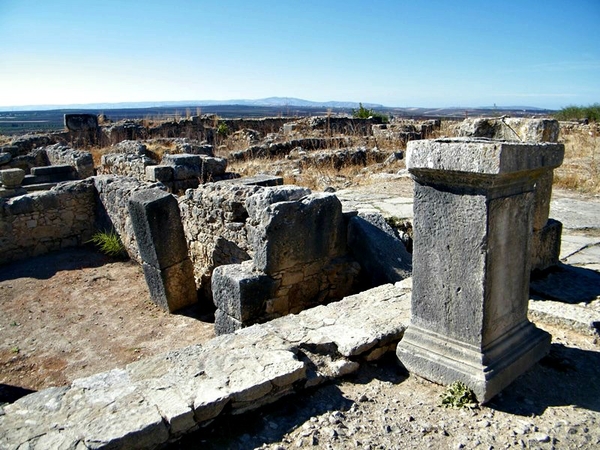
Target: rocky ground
[[556, 404]]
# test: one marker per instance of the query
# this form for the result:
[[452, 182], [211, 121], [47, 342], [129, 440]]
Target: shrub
[[590, 112], [458, 395], [366, 113], [109, 243]]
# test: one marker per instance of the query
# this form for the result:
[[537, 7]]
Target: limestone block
[[298, 232], [81, 122], [12, 178], [541, 205], [257, 180], [5, 157], [212, 167], [258, 202], [482, 156], [159, 173], [240, 292], [545, 246], [225, 324], [382, 256], [171, 288], [512, 129], [158, 230]]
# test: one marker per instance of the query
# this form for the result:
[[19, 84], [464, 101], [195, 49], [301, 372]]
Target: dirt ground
[[77, 312]]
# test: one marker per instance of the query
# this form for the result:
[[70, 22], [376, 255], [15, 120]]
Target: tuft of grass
[[458, 395], [109, 243]]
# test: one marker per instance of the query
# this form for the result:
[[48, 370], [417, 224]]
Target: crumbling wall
[[125, 164], [41, 222], [83, 162], [214, 221], [299, 259]]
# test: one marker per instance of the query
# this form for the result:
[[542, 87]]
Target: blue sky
[[542, 53]]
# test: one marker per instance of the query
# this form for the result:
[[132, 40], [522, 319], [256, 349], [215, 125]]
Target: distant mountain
[[270, 101]]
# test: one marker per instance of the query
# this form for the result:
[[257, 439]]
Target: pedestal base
[[443, 360]]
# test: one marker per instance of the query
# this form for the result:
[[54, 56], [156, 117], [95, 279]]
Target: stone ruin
[[267, 252]]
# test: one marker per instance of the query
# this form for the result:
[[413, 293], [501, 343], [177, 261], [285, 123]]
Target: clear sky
[[543, 53]]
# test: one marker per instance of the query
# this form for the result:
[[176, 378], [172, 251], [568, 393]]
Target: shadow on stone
[[564, 283], [565, 377]]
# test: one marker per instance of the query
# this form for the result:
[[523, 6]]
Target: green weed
[[458, 395], [109, 243]]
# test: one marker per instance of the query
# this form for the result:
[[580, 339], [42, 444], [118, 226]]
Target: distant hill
[[268, 102]]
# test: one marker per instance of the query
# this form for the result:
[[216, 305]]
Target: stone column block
[[161, 242], [473, 221]]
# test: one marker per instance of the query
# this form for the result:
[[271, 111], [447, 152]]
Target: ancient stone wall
[[297, 241], [82, 161], [125, 164], [111, 211], [41, 222], [214, 221]]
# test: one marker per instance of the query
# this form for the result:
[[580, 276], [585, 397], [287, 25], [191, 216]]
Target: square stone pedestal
[[473, 219]]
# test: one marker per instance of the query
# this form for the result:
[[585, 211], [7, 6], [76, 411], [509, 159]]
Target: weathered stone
[[257, 180], [173, 287], [163, 249], [511, 129], [5, 157], [225, 324], [60, 154], [472, 227], [382, 256], [81, 122], [241, 293], [545, 246], [157, 224], [298, 232], [133, 147], [12, 178], [159, 173]]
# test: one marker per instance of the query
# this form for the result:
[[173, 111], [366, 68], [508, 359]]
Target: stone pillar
[[473, 214], [163, 249]]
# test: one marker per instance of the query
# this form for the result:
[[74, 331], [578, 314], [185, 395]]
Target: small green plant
[[222, 129], [15, 350], [366, 113], [458, 395], [109, 243]]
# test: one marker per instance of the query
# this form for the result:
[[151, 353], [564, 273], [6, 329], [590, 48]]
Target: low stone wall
[[125, 164], [156, 400], [82, 161], [41, 222]]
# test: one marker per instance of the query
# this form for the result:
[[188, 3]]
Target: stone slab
[[257, 180], [382, 256], [173, 287], [157, 224], [575, 214], [482, 156], [240, 292], [157, 399]]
